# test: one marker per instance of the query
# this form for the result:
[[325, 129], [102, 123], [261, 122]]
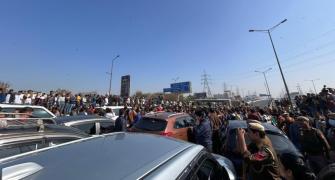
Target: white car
[[115, 111], [38, 111]]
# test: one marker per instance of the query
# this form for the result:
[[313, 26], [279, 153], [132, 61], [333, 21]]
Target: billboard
[[125, 86], [181, 87]]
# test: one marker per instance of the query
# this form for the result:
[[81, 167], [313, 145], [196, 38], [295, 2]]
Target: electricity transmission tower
[[205, 78]]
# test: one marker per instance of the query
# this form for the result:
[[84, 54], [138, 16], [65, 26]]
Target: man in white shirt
[[18, 97], [106, 101], [7, 98]]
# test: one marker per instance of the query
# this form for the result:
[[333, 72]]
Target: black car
[[280, 142], [20, 139]]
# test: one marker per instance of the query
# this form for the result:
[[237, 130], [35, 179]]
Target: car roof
[[66, 119], [164, 115], [113, 156], [234, 124], [33, 130], [20, 106], [114, 107]]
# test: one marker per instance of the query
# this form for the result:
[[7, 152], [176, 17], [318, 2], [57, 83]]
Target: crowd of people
[[310, 126]]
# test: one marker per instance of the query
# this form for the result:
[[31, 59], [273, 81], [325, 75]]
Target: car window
[[189, 121], [8, 110], [106, 127], [88, 127], [151, 124], [116, 112], [280, 143], [41, 113], [19, 148], [208, 169], [180, 123], [56, 141]]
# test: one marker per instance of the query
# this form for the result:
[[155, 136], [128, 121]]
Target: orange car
[[174, 125]]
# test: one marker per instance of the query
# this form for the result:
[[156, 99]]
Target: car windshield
[[151, 124]]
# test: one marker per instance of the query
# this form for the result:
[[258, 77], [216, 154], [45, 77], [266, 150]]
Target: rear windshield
[[280, 143], [151, 124]]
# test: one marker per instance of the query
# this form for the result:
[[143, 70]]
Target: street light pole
[[312, 80], [268, 31], [111, 75], [266, 81], [175, 81]]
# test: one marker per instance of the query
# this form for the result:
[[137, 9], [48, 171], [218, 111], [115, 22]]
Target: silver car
[[119, 156], [92, 125]]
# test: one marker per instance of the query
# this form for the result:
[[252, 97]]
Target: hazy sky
[[71, 43]]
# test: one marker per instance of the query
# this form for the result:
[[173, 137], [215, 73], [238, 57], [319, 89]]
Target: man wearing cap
[[260, 159], [314, 145]]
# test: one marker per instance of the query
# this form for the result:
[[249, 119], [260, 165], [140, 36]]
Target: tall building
[[125, 86]]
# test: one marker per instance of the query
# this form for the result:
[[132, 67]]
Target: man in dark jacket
[[203, 130], [120, 122], [2, 96]]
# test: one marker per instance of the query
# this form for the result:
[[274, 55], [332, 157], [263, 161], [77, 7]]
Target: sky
[[70, 44]]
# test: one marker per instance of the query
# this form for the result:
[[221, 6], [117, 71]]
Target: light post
[[268, 31], [266, 81], [111, 74], [175, 81], [312, 80]]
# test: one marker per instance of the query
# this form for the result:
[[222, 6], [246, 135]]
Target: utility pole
[[111, 75], [205, 78], [268, 31], [175, 81], [266, 81], [313, 80]]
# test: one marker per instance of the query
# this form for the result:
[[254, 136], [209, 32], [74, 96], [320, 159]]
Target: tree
[[4, 85], [61, 91], [138, 94]]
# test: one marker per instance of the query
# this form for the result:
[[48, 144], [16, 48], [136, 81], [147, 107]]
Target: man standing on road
[[203, 130], [313, 145]]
